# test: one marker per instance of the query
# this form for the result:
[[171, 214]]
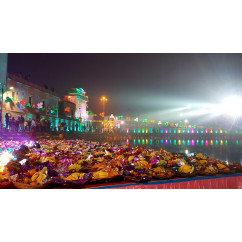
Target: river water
[[222, 148]]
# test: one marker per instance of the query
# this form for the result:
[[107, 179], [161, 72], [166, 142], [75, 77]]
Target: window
[[30, 100]]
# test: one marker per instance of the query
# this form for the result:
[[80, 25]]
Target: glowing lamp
[[104, 99], [232, 106]]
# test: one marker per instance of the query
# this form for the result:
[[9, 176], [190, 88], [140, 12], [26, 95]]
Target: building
[[66, 114], [29, 100], [78, 96], [67, 109], [23, 98]]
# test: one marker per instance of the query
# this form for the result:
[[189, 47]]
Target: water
[[223, 149]]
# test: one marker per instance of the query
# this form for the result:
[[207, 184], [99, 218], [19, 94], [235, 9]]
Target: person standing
[[76, 127], [12, 124], [22, 123], [37, 125], [33, 124], [42, 124], [29, 124], [7, 120], [62, 126], [45, 125], [48, 125], [25, 125], [17, 124]]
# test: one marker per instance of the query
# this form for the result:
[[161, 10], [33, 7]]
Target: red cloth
[[218, 183]]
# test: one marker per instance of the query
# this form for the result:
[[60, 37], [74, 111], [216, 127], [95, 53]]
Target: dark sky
[[141, 85]]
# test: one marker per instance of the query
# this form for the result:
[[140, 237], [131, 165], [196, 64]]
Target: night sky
[[142, 85]]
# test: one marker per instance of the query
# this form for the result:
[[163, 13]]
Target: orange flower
[[26, 180], [31, 172]]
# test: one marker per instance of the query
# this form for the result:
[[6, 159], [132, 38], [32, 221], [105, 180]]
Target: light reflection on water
[[181, 142], [223, 149]]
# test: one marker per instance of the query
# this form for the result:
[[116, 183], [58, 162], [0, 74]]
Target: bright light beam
[[232, 106]]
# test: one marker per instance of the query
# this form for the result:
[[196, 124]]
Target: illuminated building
[[24, 98], [78, 96], [67, 109], [32, 101]]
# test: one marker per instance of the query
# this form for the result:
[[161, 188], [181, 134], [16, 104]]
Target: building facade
[[23, 98], [78, 96]]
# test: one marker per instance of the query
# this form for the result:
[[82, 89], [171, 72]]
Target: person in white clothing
[[33, 124]]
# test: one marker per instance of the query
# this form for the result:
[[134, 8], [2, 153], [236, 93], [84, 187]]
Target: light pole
[[103, 99]]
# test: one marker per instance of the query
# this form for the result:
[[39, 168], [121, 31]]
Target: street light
[[103, 99]]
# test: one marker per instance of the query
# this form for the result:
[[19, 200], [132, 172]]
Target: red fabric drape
[[218, 183]]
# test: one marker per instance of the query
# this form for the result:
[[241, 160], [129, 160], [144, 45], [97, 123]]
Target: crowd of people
[[20, 124]]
